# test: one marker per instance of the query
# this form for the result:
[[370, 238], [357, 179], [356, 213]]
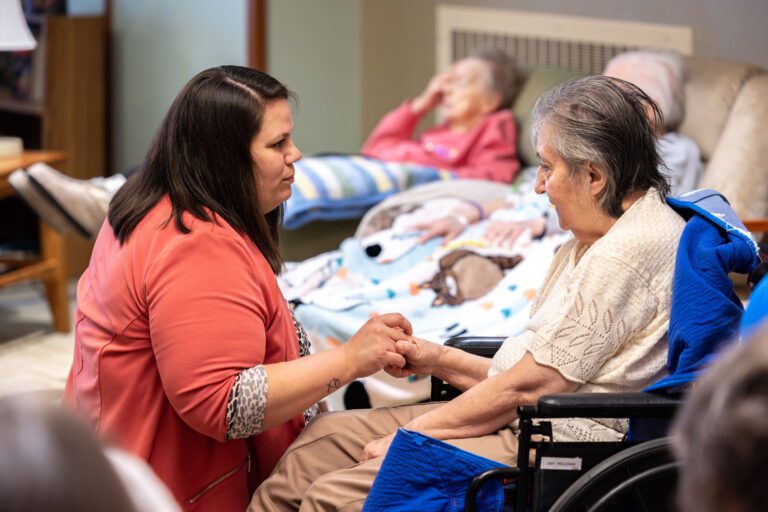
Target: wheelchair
[[639, 474]]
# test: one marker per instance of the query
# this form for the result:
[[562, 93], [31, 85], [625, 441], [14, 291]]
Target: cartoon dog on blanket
[[465, 275]]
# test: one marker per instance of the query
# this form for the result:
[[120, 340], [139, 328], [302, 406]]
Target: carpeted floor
[[32, 356]]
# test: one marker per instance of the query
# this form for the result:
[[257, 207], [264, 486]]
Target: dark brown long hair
[[201, 158]]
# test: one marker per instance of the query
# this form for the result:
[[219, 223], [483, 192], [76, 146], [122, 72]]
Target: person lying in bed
[[658, 74], [478, 136], [477, 139], [599, 322]]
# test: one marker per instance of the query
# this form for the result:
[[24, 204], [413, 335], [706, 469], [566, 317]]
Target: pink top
[[488, 151], [164, 324]]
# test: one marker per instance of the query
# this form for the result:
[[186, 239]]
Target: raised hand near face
[[433, 93]]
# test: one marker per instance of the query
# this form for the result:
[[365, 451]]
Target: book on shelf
[[22, 73], [36, 10], [16, 75]]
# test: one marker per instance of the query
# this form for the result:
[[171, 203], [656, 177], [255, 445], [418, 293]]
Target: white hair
[[660, 74]]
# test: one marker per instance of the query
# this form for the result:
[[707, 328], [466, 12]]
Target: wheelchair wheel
[[640, 478]]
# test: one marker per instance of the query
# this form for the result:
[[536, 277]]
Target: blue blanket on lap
[[705, 310], [426, 474], [345, 187]]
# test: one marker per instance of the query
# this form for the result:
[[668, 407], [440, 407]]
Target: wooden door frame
[[109, 83], [256, 36]]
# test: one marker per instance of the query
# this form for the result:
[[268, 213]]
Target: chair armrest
[[602, 405], [485, 346], [756, 225]]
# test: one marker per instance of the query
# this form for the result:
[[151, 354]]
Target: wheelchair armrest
[[602, 405], [485, 346]]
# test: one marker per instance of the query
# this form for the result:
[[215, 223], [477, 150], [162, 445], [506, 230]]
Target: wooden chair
[[49, 266]]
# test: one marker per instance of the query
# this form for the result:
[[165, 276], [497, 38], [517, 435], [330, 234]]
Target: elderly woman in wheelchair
[[599, 322]]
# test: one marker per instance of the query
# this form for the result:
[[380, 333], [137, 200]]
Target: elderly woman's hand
[[449, 227], [433, 93], [421, 357], [377, 448], [505, 234], [372, 347]]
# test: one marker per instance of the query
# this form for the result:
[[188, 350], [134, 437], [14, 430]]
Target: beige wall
[[350, 61], [314, 48], [398, 36], [353, 60], [157, 48], [398, 54], [733, 29]]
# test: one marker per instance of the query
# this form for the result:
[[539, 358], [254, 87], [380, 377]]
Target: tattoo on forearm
[[333, 385]]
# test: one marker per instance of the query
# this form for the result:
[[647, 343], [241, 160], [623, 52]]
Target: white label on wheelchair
[[561, 463]]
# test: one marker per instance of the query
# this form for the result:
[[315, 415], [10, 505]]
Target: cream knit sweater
[[602, 314]]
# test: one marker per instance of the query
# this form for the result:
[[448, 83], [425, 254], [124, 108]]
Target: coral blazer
[[164, 324]]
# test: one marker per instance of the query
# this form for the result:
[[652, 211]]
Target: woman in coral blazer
[[186, 353]]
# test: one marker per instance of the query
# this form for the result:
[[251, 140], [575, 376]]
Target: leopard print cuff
[[247, 403], [301, 334], [248, 399], [311, 413]]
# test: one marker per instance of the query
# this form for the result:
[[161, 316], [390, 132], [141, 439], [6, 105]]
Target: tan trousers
[[322, 470]]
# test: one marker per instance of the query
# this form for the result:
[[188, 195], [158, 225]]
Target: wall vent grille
[[550, 41]]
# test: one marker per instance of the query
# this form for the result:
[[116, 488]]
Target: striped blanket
[[345, 187]]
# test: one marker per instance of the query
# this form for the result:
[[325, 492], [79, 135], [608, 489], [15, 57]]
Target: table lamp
[[14, 36]]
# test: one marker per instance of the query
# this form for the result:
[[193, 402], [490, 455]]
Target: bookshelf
[[62, 105]]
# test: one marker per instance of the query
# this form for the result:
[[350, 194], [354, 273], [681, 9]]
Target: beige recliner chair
[[727, 116]]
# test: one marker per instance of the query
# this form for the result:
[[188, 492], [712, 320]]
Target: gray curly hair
[[604, 121]]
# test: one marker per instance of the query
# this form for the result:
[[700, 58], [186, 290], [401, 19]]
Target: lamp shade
[[14, 32]]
